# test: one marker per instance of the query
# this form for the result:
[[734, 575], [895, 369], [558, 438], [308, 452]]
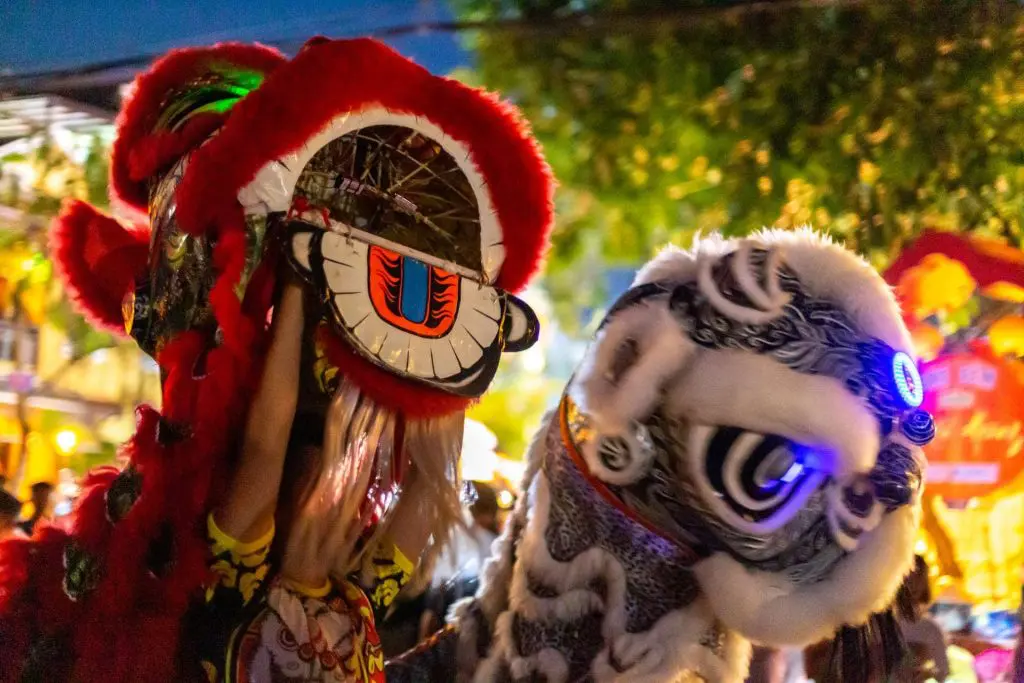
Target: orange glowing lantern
[[979, 445], [937, 284], [1006, 336], [997, 268], [1005, 291]]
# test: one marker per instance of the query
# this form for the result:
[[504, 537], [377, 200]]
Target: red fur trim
[[415, 401], [229, 260], [14, 569], [48, 578], [178, 480], [98, 259], [141, 112], [329, 78], [157, 152], [89, 524], [18, 621]]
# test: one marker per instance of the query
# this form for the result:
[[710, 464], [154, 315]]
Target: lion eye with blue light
[[755, 482]]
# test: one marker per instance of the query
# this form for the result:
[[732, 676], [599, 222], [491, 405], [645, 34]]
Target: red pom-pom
[[98, 259]]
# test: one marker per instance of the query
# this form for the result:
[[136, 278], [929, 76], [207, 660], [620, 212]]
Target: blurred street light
[[66, 440]]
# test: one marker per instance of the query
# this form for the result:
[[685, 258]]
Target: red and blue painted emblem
[[414, 297]]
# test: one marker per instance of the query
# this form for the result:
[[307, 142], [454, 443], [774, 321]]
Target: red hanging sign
[[978, 405]]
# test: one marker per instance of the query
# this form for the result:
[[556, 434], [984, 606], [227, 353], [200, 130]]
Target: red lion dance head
[[410, 205]]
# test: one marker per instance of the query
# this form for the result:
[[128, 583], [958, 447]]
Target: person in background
[[41, 492], [923, 635], [457, 572], [10, 508], [399, 628], [775, 665], [1017, 668], [767, 665], [471, 546]]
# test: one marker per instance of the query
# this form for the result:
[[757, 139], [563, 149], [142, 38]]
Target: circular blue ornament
[[908, 379]]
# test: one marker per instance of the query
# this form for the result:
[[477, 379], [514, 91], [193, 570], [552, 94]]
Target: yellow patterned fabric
[[390, 571], [239, 566], [257, 624]]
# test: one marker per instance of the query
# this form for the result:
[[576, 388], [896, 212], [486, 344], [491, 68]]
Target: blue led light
[[908, 379], [792, 473]]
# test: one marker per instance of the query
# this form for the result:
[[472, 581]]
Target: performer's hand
[[248, 510]]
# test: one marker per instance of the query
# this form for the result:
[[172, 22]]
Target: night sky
[[45, 35]]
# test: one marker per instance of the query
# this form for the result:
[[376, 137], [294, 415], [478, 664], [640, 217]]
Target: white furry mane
[[825, 268]]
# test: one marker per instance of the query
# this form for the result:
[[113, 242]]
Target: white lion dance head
[[737, 460]]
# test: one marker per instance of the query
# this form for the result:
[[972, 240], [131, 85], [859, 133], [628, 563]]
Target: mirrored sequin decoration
[[175, 297], [81, 572]]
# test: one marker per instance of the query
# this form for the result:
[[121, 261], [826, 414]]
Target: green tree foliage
[[871, 121]]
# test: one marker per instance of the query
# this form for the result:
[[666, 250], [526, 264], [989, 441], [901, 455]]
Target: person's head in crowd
[[41, 492], [10, 508], [484, 507], [917, 583]]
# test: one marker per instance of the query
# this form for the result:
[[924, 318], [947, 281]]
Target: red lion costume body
[[225, 148]]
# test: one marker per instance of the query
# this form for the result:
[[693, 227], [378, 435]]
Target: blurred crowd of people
[[934, 653], [455, 576], [12, 520]]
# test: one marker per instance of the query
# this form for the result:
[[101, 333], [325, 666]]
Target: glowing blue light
[[792, 473], [908, 379]]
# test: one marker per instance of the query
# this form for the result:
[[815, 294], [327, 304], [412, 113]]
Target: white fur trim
[[548, 662], [671, 647], [826, 269], [496, 577], [668, 648], [662, 350], [500, 653], [566, 577], [766, 608], [724, 387], [273, 186]]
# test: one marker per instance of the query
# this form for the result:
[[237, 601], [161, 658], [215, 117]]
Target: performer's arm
[[247, 512]]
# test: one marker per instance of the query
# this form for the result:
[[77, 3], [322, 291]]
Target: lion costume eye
[[755, 482], [405, 312]]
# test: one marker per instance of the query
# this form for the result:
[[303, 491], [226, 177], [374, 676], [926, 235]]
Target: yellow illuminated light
[[66, 440], [505, 499]]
